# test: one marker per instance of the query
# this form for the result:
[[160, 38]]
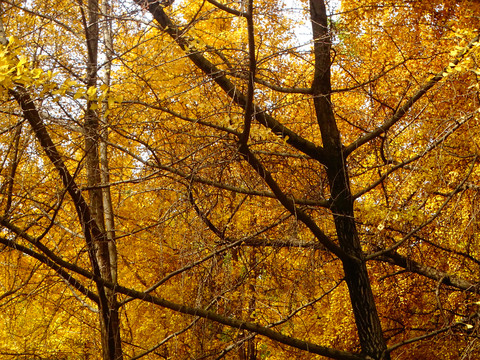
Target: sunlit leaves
[[15, 68]]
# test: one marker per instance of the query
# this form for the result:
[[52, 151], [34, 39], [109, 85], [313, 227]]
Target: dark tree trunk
[[356, 275]]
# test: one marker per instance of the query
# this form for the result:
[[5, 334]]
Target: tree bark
[[356, 274]]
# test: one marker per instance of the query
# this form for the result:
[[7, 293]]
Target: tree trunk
[[109, 319], [104, 168], [356, 274]]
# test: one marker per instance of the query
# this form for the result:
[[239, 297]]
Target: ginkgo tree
[[244, 180]]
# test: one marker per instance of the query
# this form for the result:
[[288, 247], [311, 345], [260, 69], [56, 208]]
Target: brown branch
[[422, 337], [91, 231], [402, 110], [239, 324], [239, 190], [227, 9], [231, 243], [31, 114], [281, 321], [252, 68], [360, 85], [24, 283], [425, 223], [46, 17], [220, 234], [428, 271], [230, 89], [186, 118], [210, 315], [281, 89], [289, 204], [13, 169], [165, 340], [429, 148], [53, 264]]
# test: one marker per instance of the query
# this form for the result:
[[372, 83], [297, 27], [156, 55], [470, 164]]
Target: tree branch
[[53, 264], [428, 271], [402, 110], [201, 180], [220, 78], [188, 310], [289, 204], [252, 68]]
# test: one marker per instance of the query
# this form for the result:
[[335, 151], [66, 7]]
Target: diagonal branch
[[53, 264], [220, 234], [231, 243], [422, 337], [239, 324], [227, 9], [289, 204], [202, 180], [433, 145], [220, 78], [393, 258], [278, 88], [188, 310], [428, 271], [90, 228], [281, 321], [402, 110], [425, 223]]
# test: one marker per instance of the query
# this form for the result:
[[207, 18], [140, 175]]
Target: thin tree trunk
[[109, 318], [356, 274], [104, 169]]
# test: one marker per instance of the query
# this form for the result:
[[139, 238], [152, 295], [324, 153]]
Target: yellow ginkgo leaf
[[91, 92]]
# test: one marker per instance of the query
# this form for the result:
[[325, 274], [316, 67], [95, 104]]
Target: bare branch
[[199, 179], [252, 68], [425, 223], [54, 263]]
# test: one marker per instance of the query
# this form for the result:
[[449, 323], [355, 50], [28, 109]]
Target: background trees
[[199, 181]]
